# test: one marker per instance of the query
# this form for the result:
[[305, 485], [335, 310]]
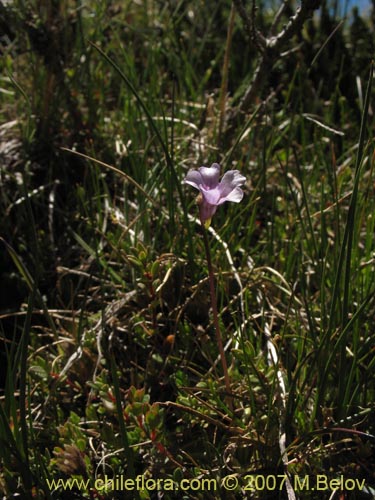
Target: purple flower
[[212, 192]]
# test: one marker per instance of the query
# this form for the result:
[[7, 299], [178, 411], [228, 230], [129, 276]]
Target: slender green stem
[[211, 279], [224, 81]]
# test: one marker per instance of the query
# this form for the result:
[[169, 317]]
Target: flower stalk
[[211, 279]]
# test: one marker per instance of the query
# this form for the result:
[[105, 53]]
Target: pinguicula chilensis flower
[[214, 192]]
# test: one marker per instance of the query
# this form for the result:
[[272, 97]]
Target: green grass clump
[[109, 368]]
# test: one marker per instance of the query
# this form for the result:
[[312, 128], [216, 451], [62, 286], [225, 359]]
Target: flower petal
[[235, 195], [230, 180], [210, 175], [211, 196], [194, 178]]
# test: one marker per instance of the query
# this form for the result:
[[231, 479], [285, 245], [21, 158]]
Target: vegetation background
[[108, 360]]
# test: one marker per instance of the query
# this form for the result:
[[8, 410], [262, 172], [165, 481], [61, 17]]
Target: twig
[[249, 23], [269, 48], [278, 16]]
